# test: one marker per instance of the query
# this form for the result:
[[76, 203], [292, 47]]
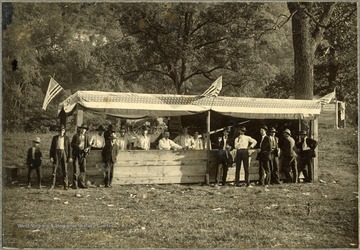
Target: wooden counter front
[[160, 167]]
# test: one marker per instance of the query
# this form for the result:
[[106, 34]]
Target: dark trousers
[[305, 165], [38, 173], [274, 169], [264, 168], [288, 166], [224, 165], [79, 169], [109, 172], [60, 160], [242, 155]]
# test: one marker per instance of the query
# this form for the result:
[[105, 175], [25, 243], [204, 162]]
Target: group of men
[[64, 151], [292, 158]]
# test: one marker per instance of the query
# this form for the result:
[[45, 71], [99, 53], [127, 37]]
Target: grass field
[[318, 215]]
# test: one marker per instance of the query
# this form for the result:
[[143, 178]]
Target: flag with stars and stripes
[[214, 89], [53, 89]]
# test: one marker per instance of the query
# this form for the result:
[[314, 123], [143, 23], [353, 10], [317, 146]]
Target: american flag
[[214, 89], [53, 89], [327, 98]]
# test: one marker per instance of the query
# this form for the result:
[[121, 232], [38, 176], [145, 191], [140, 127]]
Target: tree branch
[[210, 42], [318, 23], [199, 26], [325, 19], [276, 25]]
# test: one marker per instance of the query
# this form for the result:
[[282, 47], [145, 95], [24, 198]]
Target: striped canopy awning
[[134, 105]]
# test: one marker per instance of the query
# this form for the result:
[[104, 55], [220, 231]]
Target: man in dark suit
[[224, 158], [274, 157], [306, 150], [60, 155], [33, 161], [288, 157], [264, 157], [107, 134], [80, 144], [109, 154]]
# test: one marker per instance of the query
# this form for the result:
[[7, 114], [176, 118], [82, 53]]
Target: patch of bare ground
[[318, 215]]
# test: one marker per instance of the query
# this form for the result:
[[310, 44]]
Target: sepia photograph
[[185, 124]]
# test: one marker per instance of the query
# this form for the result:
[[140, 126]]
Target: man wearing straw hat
[[60, 155], [288, 157], [33, 161]]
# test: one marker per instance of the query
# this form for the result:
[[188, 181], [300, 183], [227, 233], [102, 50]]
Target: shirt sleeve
[[174, 145], [237, 143], [162, 144], [177, 139], [253, 142]]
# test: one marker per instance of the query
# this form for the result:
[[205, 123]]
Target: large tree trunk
[[305, 41], [303, 52]]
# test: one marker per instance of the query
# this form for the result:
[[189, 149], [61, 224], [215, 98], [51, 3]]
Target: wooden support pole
[[315, 171], [62, 117], [79, 116], [336, 114], [344, 126], [207, 175]]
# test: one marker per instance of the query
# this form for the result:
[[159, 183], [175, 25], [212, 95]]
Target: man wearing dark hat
[[306, 149], [143, 140], [274, 157], [288, 157], [97, 141], [60, 155], [80, 144], [107, 133], [264, 157], [33, 161], [109, 154], [224, 157], [242, 145]]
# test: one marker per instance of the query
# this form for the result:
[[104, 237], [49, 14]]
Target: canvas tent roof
[[134, 105]]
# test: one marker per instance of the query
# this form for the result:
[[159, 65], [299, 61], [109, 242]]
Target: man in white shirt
[[184, 140], [198, 142], [167, 144], [122, 141], [242, 145], [143, 140], [97, 141]]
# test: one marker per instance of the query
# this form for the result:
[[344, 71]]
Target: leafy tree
[[176, 42], [281, 87], [336, 64], [309, 21]]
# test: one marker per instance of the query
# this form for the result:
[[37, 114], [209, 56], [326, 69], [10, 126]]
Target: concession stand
[[180, 166]]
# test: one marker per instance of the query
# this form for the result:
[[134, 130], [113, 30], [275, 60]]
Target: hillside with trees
[[173, 48]]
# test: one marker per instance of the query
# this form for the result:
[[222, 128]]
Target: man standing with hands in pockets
[[60, 155], [242, 145]]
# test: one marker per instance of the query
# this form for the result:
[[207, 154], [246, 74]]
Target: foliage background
[[163, 48]]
